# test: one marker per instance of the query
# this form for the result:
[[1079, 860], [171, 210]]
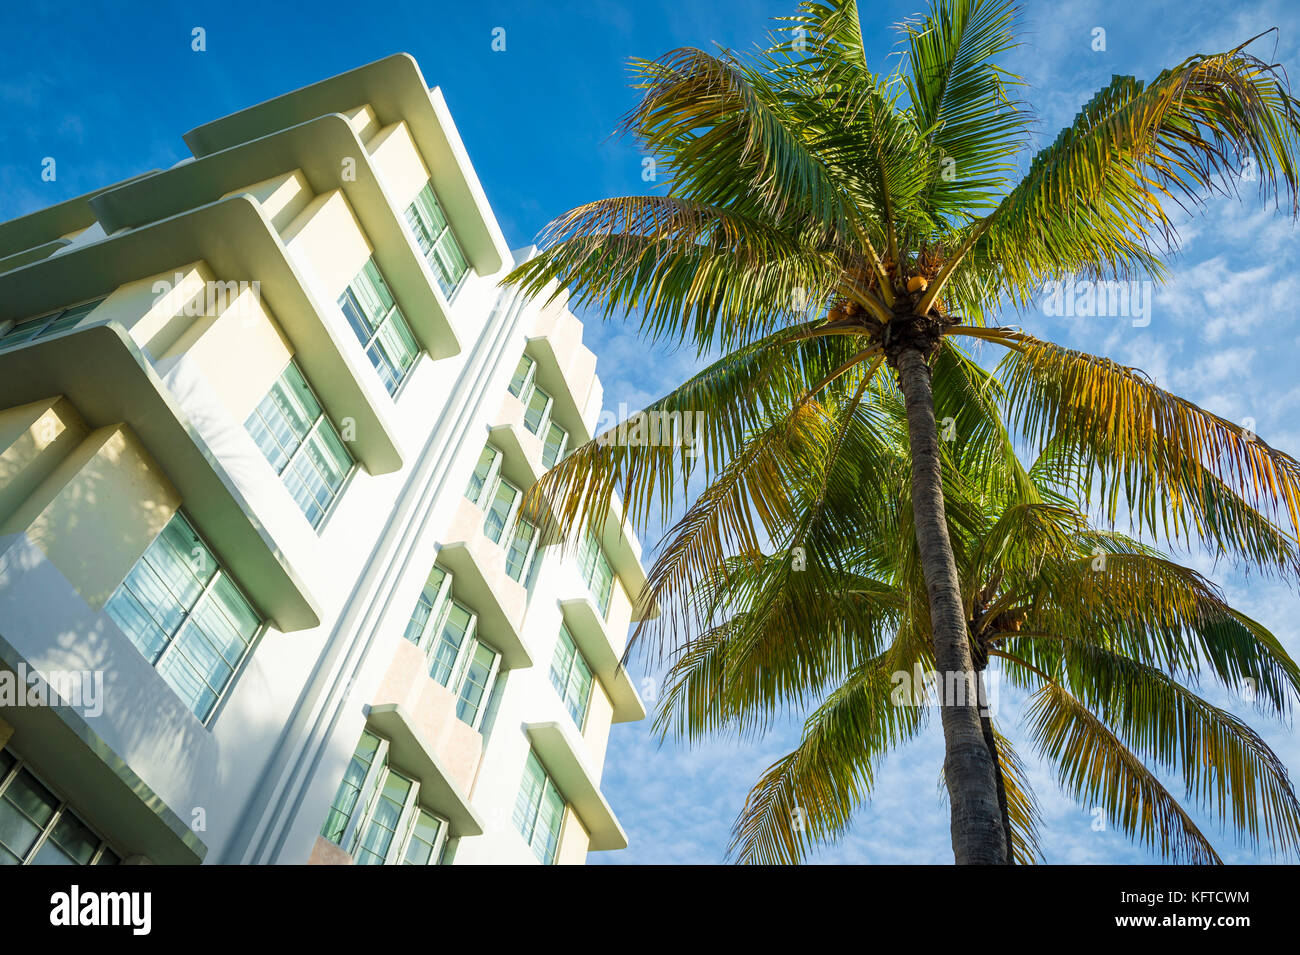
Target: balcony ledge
[[318, 148], [411, 752], [560, 755], [238, 243], [588, 630], [101, 370], [472, 586], [396, 91]]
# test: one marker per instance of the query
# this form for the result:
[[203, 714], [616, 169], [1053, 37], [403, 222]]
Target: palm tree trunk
[[991, 741], [977, 834]]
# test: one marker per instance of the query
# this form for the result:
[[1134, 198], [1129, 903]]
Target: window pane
[[546, 837], [71, 843], [449, 641], [536, 410], [479, 478], [436, 239], [530, 796], [424, 837], [25, 810], [596, 572], [425, 606], [166, 599], [185, 679], [556, 439], [475, 685], [26, 330], [498, 513], [69, 318], [521, 376], [384, 820], [354, 777], [520, 548]]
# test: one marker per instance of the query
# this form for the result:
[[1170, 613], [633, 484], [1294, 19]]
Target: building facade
[[266, 418]]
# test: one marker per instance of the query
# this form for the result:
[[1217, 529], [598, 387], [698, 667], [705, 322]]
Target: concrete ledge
[[558, 750], [237, 242], [109, 380], [96, 781], [318, 148], [396, 90], [409, 751], [587, 627]]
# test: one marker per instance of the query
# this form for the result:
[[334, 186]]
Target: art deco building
[[265, 421]]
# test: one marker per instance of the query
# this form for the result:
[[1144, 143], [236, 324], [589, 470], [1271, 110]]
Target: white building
[[265, 417]]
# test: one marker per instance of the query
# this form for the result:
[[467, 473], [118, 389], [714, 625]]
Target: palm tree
[[823, 218], [1105, 632]]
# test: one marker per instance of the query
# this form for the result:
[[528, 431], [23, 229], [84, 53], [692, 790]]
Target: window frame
[[45, 321], [446, 232], [543, 423], [187, 614], [568, 676], [46, 832], [548, 785], [368, 796], [560, 450], [431, 634], [303, 441], [590, 545], [530, 377], [394, 311]]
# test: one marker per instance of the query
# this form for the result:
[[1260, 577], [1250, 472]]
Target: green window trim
[[447, 631], [539, 811], [571, 676], [596, 572], [37, 827], [437, 241], [30, 329], [186, 616], [376, 815], [301, 444], [499, 499], [380, 327]]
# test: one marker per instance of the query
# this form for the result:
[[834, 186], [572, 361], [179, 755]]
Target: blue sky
[[107, 92]]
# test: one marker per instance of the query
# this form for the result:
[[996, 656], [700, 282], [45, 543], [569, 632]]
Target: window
[[522, 551], [186, 615], [500, 510], [379, 326], [571, 676], [395, 797], [437, 242], [50, 324], [354, 779], [539, 811], [422, 849], [596, 572], [447, 632], [485, 474], [500, 500], [301, 444], [537, 415], [557, 443], [522, 382], [38, 828], [376, 815]]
